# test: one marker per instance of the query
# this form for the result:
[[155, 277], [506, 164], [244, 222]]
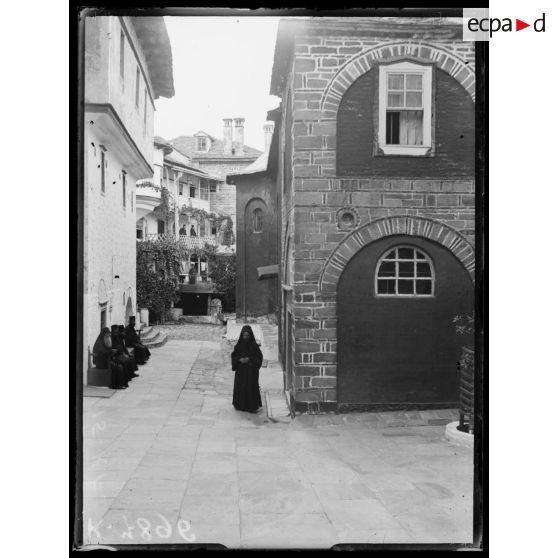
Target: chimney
[[268, 133], [227, 135], [239, 136]]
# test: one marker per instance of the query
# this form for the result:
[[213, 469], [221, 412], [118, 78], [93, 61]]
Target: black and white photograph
[[280, 326]]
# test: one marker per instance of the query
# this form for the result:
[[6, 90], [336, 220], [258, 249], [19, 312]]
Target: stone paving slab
[[170, 460]]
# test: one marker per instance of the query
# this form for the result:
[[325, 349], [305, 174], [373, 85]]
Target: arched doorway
[[397, 345], [129, 309]]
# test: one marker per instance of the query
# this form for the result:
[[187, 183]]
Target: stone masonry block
[[306, 346], [447, 200], [324, 381], [464, 186], [307, 198], [325, 357], [400, 185], [305, 64], [306, 170], [365, 198], [308, 266], [426, 185], [337, 198], [308, 142], [325, 334], [306, 370], [326, 312]]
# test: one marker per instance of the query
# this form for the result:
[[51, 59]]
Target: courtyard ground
[[169, 460]]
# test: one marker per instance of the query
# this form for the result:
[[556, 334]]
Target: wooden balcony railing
[[189, 241]]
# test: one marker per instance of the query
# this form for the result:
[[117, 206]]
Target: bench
[[97, 376]]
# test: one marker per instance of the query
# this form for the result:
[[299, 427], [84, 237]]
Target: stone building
[[127, 65], [375, 188], [220, 157], [197, 221], [256, 235]]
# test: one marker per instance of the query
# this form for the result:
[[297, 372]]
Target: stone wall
[[109, 231], [323, 70]]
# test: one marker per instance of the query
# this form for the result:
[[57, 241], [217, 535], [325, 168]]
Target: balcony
[[188, 241], [198, 241], [196, 203], [148, 197]]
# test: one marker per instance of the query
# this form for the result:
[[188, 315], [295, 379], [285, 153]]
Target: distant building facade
[[127, 66], [220, 157], [256, 236], [197, 220], [375, 151]]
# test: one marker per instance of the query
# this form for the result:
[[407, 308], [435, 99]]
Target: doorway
[[397, 344]]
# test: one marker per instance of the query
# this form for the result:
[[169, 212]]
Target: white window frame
[[398, 68], [204, 139], [427, 259]]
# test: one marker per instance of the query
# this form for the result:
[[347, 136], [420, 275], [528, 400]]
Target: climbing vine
[[223, 223], [165, 210], [158, 267]]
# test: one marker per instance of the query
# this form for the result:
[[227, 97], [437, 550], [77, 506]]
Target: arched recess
[[129, 309], [462, 70], [389, 226]]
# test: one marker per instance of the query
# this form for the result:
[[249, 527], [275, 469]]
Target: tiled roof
[[187, 145], [178, 158]]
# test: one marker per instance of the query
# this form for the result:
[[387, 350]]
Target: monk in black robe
[[246, 361], [141, 352], [122, 355], [103, 357]]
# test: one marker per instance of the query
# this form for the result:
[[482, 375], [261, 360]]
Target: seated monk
[[103, 357], [141, 352], [122, 355]]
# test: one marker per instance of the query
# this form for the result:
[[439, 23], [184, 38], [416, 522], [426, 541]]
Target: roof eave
[[154, 40]]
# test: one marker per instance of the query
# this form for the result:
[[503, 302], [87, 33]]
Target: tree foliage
[[222, 271], [157, 273]]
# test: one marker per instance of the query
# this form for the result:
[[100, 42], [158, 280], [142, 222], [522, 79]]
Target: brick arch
[[390, 226], [422, 52]]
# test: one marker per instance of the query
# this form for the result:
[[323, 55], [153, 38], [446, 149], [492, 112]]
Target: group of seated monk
[[112, 351]]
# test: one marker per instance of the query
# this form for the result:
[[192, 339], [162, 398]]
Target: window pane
[[387, 269], [414, 81], [405, 286], [423, 269], [390, 256], [406, 269], [386, 286], [410, 128], [405, 253], [392, 128], [395, 100], [395, 81], [420, 255], [413, 99], [424, 286]]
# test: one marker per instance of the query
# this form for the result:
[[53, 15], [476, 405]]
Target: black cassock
[[141, 352], [246, 393], [103, 357]]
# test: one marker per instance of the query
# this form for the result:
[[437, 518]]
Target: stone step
[[158, 341], [149, 336], [145, 330]]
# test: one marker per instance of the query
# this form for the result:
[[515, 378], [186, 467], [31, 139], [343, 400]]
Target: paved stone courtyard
[[170, 461]]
